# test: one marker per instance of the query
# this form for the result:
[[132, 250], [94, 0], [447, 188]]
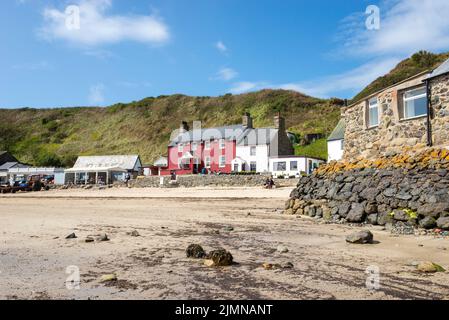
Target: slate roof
[[339, 131], [256, 136], [442, 69], [9, 165]]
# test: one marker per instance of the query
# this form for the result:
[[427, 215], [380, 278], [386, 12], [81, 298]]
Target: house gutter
[[429, 113]]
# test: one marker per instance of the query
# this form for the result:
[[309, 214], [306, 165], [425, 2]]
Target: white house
[[289, 166], [103, 169], [255, 146], [335, 142]]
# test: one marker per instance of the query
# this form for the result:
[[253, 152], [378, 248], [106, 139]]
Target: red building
[[211, 148]]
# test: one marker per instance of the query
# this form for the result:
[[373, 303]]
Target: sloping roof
[[9, 165], [226, 132], [5, 156], [255, 136], [161, 162], [339, 131], [442, 69], [126, 162]]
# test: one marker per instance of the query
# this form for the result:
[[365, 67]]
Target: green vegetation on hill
[[56, 137], [317, 149], [417, 63]]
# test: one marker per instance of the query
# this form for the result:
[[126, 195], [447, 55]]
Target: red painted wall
[[214, 153]]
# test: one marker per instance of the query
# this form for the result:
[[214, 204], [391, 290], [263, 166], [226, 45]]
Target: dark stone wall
[[417, 197]]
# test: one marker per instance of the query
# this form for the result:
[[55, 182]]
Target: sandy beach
[[35, 256]]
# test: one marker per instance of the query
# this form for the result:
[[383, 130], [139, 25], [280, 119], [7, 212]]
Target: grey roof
[[339, 131], [126, 162], [442, 69], [255, 136], [227, 132], [7, 165]]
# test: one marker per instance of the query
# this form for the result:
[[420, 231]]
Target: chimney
[[184, 127], [279, 122], [247, 121]]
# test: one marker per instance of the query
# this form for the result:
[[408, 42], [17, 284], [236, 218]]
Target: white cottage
[[103, 169], [335, 142], [255, 146], [293, 166]]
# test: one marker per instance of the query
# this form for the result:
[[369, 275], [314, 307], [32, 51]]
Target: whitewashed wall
[[261, 157], [335, 150]]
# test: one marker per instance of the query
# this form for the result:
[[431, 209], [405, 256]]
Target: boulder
[[443, 223], [357, 213], [400, 215], [427, 223], [429, 267], [220, 257], [372, 218], [433, 209], [360, 237], [289, 212], [71, 236], [195, 251], [108, 277], [370, 208], [344, 208], [282, 249], [134, 233]]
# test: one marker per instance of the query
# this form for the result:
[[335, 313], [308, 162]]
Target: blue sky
[[127, 50]]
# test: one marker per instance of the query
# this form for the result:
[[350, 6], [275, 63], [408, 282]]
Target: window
[[415, 103], [293, 165], [222, 161], [252, 151], [207, 162], [207, 145], [373, 113], [179, 163], [280, 166], [194, 146], [222, 143], [180, 147], [253, 166]]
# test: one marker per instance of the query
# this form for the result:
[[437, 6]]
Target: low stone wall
[[412, 189], [200, 181]]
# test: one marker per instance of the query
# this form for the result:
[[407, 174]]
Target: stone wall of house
[[411, 189], [393, 133]]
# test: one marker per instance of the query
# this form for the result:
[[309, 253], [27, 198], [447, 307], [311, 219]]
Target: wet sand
[[34, 254]]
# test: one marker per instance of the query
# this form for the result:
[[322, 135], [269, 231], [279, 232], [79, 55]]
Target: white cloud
[[354, 79], [406, 26], [221, 47], [96, 94], [225, 74], [97, 27]]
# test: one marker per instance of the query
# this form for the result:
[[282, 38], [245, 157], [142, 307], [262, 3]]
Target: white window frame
[[222, 143], [251, 151], [180, 147], [291, 165], [207, 162], [372, 106], [194, 146], [207, 145], [222, 161], [253, 163], [404, 100]]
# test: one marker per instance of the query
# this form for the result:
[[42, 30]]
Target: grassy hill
[[55, 137], [417, 63]]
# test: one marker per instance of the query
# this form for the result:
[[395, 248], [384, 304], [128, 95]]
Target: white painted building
[[289, 166], [255, 146], [335, 142]]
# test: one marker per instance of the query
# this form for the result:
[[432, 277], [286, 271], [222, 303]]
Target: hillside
[[419, 62], [56, 137]]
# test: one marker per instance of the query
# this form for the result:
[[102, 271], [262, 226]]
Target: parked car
[[22, 185], [5, 188]]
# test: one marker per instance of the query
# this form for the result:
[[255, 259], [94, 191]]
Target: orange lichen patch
[[409, 158]]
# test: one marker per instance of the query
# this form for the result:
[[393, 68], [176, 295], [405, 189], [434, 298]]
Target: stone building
[[413, 112]]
